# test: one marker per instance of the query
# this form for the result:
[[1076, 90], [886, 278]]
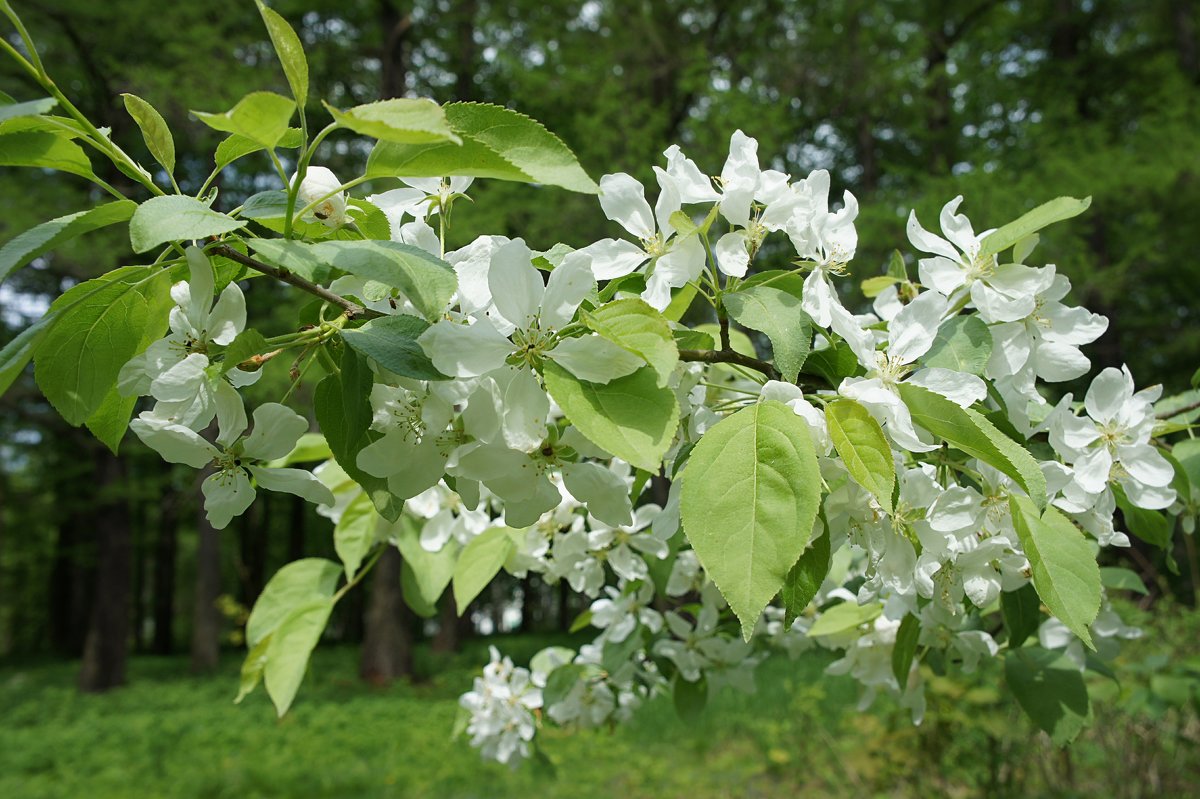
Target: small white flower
[[321, 186]]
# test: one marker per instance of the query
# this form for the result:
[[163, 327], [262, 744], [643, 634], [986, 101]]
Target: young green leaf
[[24, 247], [1064, 569], [400, 120], [391, 341], [777, 314], [354, 533], [1122, 580], [905, 648], [291, 646], [631, 417], [874, 286], [431, 571], [859, 439], [29, 108], [1022, 612], [234, 147], [479, 561], [261, 117], [804, 580], [1044, 215], [1051, 691], [751, 489], [636, 327], [844, 616], [970, 432], [425, 279], [174, 217], [295, 256], [290, 51], [299, 583], [44, 151], [154, 130], [963, 344]]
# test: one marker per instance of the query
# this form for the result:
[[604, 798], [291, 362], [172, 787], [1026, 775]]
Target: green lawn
[[170, 734]]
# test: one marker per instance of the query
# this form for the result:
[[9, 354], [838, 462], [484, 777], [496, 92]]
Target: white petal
[[231, 412], [465, 350], [604, 493], [1147, 496], [1109, 392], [943, 275], [525, 408], [732, 257], [739, 178], [226, 494], [516, 285], [595, 359], [958, 387], [201, 287], [1011, 348], [471, 264], [925, 241], [569, 283], [183, 381], [1075, 326], [387, 455], [421, 471], [693, 186], [613, 258], [668, 201], [1056, 363], [957, 227], [277, 428], [300, 482], [228, 317], [682, 263], [1146, 464], [174, 442], [997, 307], [911, 332], [1092, 470], [624, 202]]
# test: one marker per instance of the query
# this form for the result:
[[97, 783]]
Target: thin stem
[[308, 208], [25, 37], [362, 572], [350, 309], [730, 356]]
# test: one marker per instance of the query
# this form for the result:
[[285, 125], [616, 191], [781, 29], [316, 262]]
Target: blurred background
[[110, 576]]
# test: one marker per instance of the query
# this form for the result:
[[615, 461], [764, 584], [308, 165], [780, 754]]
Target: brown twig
[[350, 309], [730, 356]]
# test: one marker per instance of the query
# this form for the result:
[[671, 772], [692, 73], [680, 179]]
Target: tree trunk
[[165, 547], [106, 647], [447, 638], [393, 69], [296, 529], [387, 641], [206, 619]]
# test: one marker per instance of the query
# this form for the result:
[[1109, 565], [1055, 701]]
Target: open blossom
[[228, 491], [502, 722], [322, 187], [177, 371]]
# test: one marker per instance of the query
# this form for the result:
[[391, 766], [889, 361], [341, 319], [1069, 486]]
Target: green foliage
[[261, 117], [632, 417], [155, 131], [391, 341], [751, 490], [426, 574], [296, 257], [24, 247], [296, 585], [905, 649], [292, 643], [1022, 614], [963, 344], [174, 217], [1065, 573], [44, 151], [637, 328], [425, 279], [354, 533], [399, 120], [235, 147], [804, 580], [1051, 691], [480, 561], [844, 616], [1044, 215], [969, 431], [290, 51], [859, 439], [777, 314]]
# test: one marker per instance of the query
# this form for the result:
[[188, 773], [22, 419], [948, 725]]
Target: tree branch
[[350, 309], [730, 356]]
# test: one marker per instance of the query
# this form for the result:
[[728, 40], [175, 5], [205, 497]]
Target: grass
[[173, 735]]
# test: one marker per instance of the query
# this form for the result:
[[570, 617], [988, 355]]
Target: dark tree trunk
[[387, 642], [448, 638], [206, 619], [140, 535], [564, 606], [393, 68], [165, 547], [255, 528], [106, 647], [467, 62], [296, 529]]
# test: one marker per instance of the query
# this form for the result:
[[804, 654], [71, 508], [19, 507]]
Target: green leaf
[[77, 360], [343, 412], [905, 648], [154, 130], [693, 340], [29, 108], [969, 431], [777, 314], [1047, 214], [963, 344], [897, 267], [261, 117], [400, 120], [16, 354], [252, 669], [874, 286], [1064, 569], [425, 279], [24, 247], [294, 256], [479, 561], [804, 580], [174, 217], [290, 648], [561, 681], [392, 342], [236, 146], [751, 490], [431, 571], [681, 300], [1122, 580], [637, 328], [290, 52], [843, 617], [1022, 612], [833, 364], [1050, 690], [354, 533], [631, 417], [859, 439], [247, 344], [44, 151], [496, 143], [310, 447], [299, 583]]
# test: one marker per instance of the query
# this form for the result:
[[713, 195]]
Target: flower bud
[[317, 184]]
